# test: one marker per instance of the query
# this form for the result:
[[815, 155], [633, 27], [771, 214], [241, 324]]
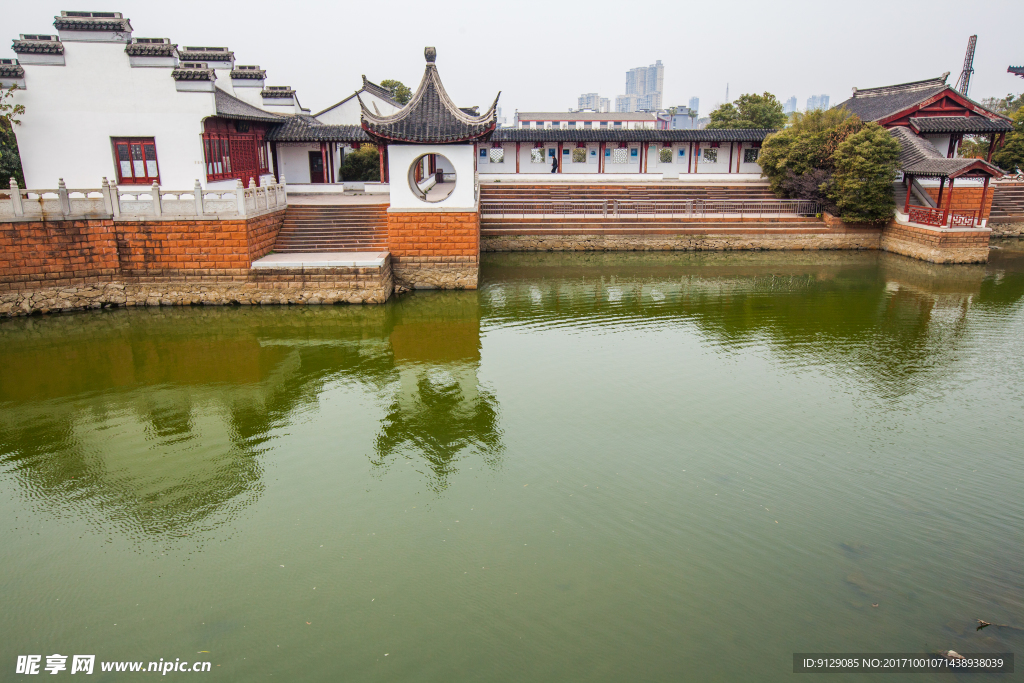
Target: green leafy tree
[[362, 164], [865, 169], [750, 111], [804, 146], [1011, 154], [834, 158], [1007, 106], [10, 159], [400, 92]]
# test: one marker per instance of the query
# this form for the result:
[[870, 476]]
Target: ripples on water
[[597, 466]]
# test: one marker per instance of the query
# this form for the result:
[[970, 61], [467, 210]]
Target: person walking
[[554, 163]]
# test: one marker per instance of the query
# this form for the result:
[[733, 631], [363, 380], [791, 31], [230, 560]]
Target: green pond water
[[628, 467]]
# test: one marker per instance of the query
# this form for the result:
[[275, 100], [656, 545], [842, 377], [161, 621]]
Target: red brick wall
[[440, 237], [963, 198], [72, 252], [56, 252]]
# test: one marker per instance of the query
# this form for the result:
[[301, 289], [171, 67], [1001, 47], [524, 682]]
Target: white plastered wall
[[349, 113], [73, 111], [293, 161], [461, 158]]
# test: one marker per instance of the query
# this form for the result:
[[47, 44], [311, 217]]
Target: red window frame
[[135, 161], [230, 153]]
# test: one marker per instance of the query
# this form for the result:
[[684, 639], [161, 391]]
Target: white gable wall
[[73, 111], [348, 112]]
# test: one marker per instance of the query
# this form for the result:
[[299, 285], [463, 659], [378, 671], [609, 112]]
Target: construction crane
[[964, 83]]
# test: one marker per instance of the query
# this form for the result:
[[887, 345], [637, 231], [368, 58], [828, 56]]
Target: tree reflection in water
[[157, 421]]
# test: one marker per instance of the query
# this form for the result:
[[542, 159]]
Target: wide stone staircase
[[626, 208], [491, 192], [311, 228], [1008, 203]]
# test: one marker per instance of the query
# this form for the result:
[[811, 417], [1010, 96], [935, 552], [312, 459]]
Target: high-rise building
[[592, 100], [644, 85], [817, 102], [626, 103], [695, 104], [790, 105]]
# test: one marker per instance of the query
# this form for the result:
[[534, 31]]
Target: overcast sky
[[543, 53]]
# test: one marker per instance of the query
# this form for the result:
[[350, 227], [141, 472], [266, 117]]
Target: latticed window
[[620, 156], [231, 153], [710, 156], [537, 156], [750, 156], [497, 155], [579, 155], [136, 161], [665, 155]]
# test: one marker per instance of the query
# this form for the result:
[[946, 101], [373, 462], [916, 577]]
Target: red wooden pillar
[[517, 157], [689, 159], [559, 157], [380, 159], [991, 148], [730, 158], [910, 184], [984, 193], [945, 214], [942, 184], [323, 162], [600, 158]]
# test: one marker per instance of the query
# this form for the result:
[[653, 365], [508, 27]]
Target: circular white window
[[432, 178]]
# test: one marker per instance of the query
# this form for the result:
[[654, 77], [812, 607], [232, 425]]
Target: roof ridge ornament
[[430, 54]]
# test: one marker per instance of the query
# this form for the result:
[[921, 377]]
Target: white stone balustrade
[[109, 201]]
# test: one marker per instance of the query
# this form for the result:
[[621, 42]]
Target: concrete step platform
[[328, 259]]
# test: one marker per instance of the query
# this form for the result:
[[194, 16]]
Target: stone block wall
[[37, 253], [937, 245], [964, 199], [434, 250], [252, 287], [57, 252]]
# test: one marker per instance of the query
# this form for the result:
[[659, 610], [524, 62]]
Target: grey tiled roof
[[54, 47], [277, 91], [430, 116], [873, 104], [193, 74], [630, 135], [14, 70], [307, 129], [193, 54], [254, 74], [151, 49], [379, 91], [959, 124], [1019, 70], [231, 107], [92, 23], [918, 156]]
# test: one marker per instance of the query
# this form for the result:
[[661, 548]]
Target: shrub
[[361, 164]]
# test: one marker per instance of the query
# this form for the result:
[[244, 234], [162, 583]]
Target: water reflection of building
[[438, 412], [157, 419], [888, 320]]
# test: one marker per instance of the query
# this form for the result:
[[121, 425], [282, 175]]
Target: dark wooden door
[[316, 167]]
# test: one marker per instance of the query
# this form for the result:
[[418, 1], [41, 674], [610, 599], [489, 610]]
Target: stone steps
[[333, 228]]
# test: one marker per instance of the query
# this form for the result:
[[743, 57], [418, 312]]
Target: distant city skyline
[[286, 52], [644, 89], [817, 102]]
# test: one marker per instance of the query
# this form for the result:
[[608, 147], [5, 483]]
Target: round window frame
[[414, 186]]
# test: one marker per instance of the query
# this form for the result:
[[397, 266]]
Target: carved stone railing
[[109, 201]]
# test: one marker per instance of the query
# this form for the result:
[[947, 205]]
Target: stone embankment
[[308, 286]]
